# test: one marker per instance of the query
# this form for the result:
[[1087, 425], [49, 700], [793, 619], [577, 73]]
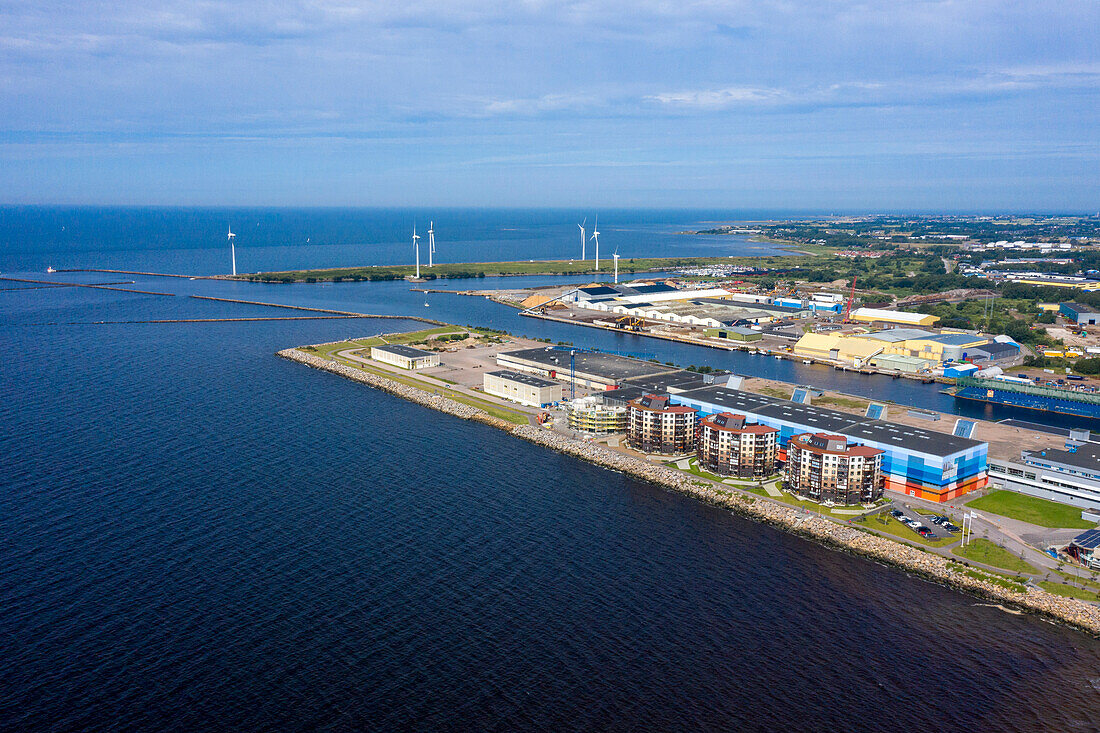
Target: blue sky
[[810, 105]]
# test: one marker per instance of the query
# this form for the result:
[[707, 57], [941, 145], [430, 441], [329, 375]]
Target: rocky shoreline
[[1073, 612]]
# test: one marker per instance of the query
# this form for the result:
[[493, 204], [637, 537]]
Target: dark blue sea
[[197, 535]]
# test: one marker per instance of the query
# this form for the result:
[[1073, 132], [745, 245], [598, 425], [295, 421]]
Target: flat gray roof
[[825, 420], [609, 367], [529, 379], [407, 351]]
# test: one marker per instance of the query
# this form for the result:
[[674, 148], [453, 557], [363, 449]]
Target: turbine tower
[[596, 239], [431, 242], [416, 243], [232, 250], [616, 258], [584, 254]]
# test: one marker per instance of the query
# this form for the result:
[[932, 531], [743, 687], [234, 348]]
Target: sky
[[822, 105]]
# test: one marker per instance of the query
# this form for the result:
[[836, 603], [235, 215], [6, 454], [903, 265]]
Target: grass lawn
[[1030, 509], [896, 528], [1068, 591], [988, 553]]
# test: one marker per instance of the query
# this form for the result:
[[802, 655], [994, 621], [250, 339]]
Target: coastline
[[1075, 613]]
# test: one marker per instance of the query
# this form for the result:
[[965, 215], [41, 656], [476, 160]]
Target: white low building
[[405, 357], [526, 389]]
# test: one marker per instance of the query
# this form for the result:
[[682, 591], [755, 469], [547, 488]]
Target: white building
[[405, 357], [525, 389]]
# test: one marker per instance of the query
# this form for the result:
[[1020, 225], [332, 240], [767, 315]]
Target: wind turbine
[[232, 250], [416, 243], [596, 239], [616, 258], [431, 242], [584, 255]]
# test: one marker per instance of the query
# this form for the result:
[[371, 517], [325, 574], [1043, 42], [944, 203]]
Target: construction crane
[[851, 297]]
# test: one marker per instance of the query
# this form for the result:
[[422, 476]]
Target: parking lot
[[936, 530]]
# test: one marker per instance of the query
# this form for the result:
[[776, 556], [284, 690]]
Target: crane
[[851, 297]]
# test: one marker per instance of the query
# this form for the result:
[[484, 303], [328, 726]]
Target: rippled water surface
[[197, 535]]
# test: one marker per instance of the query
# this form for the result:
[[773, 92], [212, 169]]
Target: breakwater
[[934, 567]]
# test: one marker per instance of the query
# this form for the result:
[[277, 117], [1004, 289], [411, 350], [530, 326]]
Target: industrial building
[[1079, 313], [591, 415], [592, 370], [526, 389], [405, 357], [835, 347], [658, 426], [734, 333], [921, 463], [828, 469], [731, 446], [877, 315], [1070, 476], [907, 350]]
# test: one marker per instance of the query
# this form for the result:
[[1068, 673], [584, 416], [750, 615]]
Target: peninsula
[[459, 371]]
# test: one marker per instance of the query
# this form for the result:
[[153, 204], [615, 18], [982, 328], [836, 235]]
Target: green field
[[1069, 591], [1030, 509], [987, 553]]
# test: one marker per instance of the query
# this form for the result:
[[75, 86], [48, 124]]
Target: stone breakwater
[[1071, 611]]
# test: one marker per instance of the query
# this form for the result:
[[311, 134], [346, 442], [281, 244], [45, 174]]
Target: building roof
[[894, 335], [1081, 308], [679, 380], [660, 403], [528, 379], [878, 314], [598, 290], [654, 288], [609, 367], [1086, 456], [729, 422], [1087, 540], [954, 339], [994, 348], [903, 360], [808, 418], [406, 351]]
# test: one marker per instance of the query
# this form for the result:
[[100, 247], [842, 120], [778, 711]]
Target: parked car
[[952, 528], [938, 520], [896, 514]]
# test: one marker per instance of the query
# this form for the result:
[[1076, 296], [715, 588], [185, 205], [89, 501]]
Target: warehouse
[[1079, 313], [877, 315], [734, 333], [405, 357], [902, 364], [921, 463], [593, 370], [525, 389]]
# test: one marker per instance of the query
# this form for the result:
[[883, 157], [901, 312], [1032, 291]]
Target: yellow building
[[848, 349], [936, 348]]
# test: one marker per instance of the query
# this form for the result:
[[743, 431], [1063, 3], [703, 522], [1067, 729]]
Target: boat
[[50, 270], [807, 361]]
